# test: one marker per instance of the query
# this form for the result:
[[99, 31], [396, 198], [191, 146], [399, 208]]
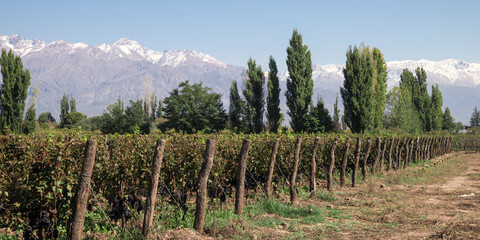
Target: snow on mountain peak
[[20, 45]]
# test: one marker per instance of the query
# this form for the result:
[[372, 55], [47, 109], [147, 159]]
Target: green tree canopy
[[299, 83], [448, 122], [30, 122], [13, 91], [436, 113], [357, 93], [254, 95], [320, 120], [475, 118], [46, 117], [274, 114], [192, 107], [237, 117], [380, 86], [64, 109], [72, 118]]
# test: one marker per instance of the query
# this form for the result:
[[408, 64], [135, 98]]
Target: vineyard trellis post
[[83, 190], [365, 158], [331, 165], [313, 168], [201, 200], [271, 166], [293, 179], [407, 152], [242, 168], [344, 162], [389, 166], [377, 157], [357, 161], [152, 193]]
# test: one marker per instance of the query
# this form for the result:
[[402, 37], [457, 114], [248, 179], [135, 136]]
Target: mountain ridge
[[97, 75]]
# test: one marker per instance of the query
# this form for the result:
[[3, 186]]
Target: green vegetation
[[299, 83], [254, 96], [13, 92], [274, 114]]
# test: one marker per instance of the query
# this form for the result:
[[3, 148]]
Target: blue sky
[[232, 31]]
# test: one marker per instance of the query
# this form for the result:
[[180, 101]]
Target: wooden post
[[271, 166], [242, 168], [313, 168], [389, 166], [83, 190], [293, 184], [201, 200], [377, 157], [407, 153], [331, 165], [357, 161], [365, 158], [152, 193], [344, 162], [382, 159]]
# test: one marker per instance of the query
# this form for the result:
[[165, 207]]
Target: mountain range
[[97, 76]]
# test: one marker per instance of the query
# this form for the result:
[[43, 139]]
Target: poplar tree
[[336, 115], [436, 114], [73, 105], [475, 118], [357, 93], [274, 115], [421, 100], [64, 109], [13, 91], [236, 112], [254, 95], [448, 122], [380, 86], [299, 83]]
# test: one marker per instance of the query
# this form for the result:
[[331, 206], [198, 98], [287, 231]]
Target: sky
[[233, 31]]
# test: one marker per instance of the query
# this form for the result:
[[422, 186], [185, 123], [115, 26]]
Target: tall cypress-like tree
[[475, 118], [254, 95], [274, 115], [357, 93], [436, 114], [448, 122], [13, 91], [300, 83], [336, 115], [73, 104], [421, 100], [236, 112], [64, 109], [380, 85]]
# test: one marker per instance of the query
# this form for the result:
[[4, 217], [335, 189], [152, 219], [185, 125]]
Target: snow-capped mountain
[[97, 75]]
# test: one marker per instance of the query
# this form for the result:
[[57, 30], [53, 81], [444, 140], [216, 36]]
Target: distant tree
[[299, 83], [319, 119], [357, 93], [336, 116], [135, 118], [72, 118], [46, 117], [90, 124], [113, 120], [192, 107], [254, 95], [160, 108], [380, 85], [400, 112], [274, 114], [475, 118], [448, 122], [30, 122], [237, 117], [436, 114], [13, 91], [421, 100], [64, 109], [73, 105]]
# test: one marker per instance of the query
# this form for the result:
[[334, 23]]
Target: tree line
[[255, 105]]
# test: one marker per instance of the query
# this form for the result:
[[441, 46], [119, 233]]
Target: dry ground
[[436, 200]]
